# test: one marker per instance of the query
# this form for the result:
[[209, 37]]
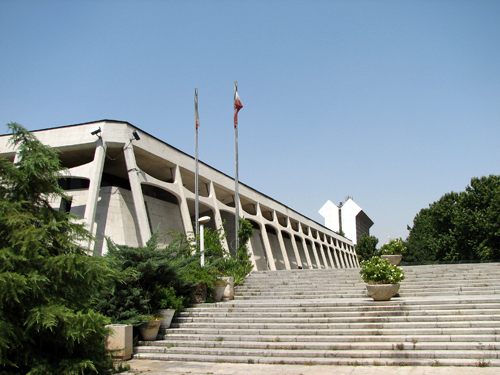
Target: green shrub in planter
[[380, 271], [394, 247]]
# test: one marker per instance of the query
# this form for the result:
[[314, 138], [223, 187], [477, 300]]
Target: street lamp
[[203, 220]]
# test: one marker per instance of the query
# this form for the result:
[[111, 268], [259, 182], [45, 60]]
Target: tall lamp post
[[202, 220]]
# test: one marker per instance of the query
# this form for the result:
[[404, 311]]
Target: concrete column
[[328, 248], [251, 254], [294, 246], [356, 260], [322, 252], [265, 239], [96, 169], [304, 246], [183, 206], [351, 257], [309, 236], [282, 243], [337, 262], [341, 257], [137, 196], [315, 251], [218, 217], [17, 157]]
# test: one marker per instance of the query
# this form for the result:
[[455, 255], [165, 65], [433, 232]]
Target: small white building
[[348, 218]]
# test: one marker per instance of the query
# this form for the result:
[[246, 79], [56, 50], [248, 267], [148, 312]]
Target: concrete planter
[[199, 293], [225, 290], [168, 315], [120, 341], [382, 292], [218, 292], [393, 259], [149, 330]]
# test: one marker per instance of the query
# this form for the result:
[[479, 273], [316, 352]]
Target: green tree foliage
[[47, 282], [367, 247], [153, 277], [460, 226], [148, 275]]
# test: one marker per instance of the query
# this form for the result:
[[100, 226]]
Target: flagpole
[[196, 207], [236, 178]]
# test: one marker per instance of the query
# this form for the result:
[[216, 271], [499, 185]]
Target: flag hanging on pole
[[196, 116], [237, 105]]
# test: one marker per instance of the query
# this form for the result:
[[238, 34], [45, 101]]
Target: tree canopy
[[47, 282], [367, 247], [462, 226]]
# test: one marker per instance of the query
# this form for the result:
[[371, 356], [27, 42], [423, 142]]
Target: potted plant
[[168, 304], [224, 289], [393, 251], [149, 326], [382, 278]]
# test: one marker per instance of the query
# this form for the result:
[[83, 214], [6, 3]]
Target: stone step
[[351, 319], [306, 325], [365, 304], [444, 315], [332, 354], [484, 339], [310, 331], [347, 290], [398, 343], [347, 361], [435, 314]]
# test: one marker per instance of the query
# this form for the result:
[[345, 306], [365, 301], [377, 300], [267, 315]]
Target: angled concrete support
[[218, 217], [96, 169], [185, 215], [137, 196], [282, 246], [294, 246], [265, 240]]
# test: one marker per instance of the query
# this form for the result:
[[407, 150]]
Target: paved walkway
[[150, 367]]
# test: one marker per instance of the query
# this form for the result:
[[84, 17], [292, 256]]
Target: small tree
[[47, 282], [367, 247]]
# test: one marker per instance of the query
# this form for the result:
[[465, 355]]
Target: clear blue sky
[[392, 102]]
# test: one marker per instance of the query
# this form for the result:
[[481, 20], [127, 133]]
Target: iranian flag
[[196, 115], [237, 107]]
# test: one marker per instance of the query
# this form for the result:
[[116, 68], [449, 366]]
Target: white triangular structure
[[348, 218]]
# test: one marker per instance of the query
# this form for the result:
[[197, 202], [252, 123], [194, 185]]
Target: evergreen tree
[[367, 247], [47, 282]]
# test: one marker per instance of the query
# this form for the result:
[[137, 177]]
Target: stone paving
[[151, 367]]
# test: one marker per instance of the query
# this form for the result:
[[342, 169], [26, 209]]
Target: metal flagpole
[[197, 124], [237, 107], [236, 194]]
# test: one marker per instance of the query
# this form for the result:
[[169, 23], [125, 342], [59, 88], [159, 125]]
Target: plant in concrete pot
[[382, 278], [168, 303], [219, 288], [393, 251], [149, 326]]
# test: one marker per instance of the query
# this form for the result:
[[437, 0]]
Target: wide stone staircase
[[444, 315]]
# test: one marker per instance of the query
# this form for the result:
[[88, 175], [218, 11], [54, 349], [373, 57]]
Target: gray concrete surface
[[152, 367]]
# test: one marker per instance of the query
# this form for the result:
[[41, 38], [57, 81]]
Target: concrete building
[[125, 188], [348, 217]]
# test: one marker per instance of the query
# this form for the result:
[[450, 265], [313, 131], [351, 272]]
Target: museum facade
[[124, 184]]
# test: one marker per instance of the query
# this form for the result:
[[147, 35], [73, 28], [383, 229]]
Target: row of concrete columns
[[329, 250]]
